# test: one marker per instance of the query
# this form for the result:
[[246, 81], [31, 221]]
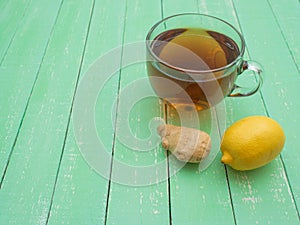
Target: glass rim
[[192, 71]]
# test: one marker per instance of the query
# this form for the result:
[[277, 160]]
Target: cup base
[[184, 106]]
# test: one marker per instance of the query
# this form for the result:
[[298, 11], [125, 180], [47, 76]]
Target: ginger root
[[186, 144]]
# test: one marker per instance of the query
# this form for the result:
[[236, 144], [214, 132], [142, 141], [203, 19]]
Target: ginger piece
[[186, 144]]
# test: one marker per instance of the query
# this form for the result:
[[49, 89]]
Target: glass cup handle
[[239, 91]]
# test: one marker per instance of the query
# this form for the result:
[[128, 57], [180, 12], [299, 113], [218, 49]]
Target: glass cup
[[194, 60]]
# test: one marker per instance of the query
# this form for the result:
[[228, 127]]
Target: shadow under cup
[[193, 60]]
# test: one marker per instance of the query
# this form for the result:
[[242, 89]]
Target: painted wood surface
[[47, 50]]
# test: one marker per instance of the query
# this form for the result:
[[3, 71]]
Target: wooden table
[[46, 50]]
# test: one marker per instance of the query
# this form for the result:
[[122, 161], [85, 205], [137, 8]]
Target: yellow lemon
[[252, 142]]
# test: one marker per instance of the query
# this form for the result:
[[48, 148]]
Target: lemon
[[252, 142]]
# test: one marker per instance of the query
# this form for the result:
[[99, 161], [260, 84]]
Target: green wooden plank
[[287, 16], [10, 18], [27, 189], [200, 197], [178, 6], [81, 193], [258, 194], [86, 203], [19, 70], [197, 195], [144, 204]]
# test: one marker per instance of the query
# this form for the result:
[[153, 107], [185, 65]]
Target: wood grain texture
[[287, 15], [46, 50], [12, 13], [29, 181], [81, 193], [19, 70], [146, 203]]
